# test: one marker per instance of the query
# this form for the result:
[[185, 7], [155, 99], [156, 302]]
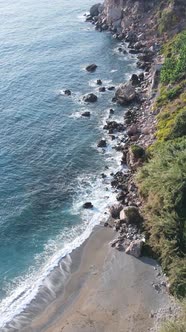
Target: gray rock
[[126, 94], [119, 246], [135, 248]]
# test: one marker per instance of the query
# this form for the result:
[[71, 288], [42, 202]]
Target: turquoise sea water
[[49, 162]]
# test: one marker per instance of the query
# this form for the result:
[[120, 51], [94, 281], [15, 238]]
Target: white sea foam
[[50, 277]]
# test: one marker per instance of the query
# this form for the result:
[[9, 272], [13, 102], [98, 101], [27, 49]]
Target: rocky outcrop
[[113, 11], [90, 98], [113, 126], [96, 9], [120, 14], [126, 94]]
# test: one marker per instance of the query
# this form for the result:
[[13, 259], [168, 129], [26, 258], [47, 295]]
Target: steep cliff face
[[157, 16], [121, 13]]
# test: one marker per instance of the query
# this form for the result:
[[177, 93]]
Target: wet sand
[[108, 291]]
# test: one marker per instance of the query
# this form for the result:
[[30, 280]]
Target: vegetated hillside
[[162, 180]]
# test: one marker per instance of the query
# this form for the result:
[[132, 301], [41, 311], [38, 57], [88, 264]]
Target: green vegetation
[[162, 184], [174, 68], [137, 151], [162, 179], [166, 19], [177, 325]]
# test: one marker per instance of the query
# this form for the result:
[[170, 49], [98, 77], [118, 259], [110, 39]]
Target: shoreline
[[105, 284]]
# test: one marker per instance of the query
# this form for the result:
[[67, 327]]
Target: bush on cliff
[[174, 67]]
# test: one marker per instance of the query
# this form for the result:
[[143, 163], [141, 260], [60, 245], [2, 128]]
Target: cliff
[[147, 18], [155, 30]]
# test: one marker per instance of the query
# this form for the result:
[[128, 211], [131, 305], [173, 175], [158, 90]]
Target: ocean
[[49, 161]]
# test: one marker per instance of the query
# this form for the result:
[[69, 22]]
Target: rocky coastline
[[137, 35], [138, 127]]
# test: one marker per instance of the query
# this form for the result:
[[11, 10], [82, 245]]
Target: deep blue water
[[49, 163]]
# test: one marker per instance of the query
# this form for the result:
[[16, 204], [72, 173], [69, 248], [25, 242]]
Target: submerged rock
[[67, 92], [110, 88], [102, 89], [86, 114], [99, 82]]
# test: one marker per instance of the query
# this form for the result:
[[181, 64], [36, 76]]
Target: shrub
[[137, 151], [179, 126], [162, 184]]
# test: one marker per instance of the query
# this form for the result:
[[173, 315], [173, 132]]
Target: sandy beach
[[107, 291]]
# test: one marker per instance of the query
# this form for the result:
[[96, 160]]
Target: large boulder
[[135, 80], [112, 126], [115, 210], [132, 130], [131, 215], [135, 248], [126, 94], [96, 9], [131, 37], [90, 98]]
